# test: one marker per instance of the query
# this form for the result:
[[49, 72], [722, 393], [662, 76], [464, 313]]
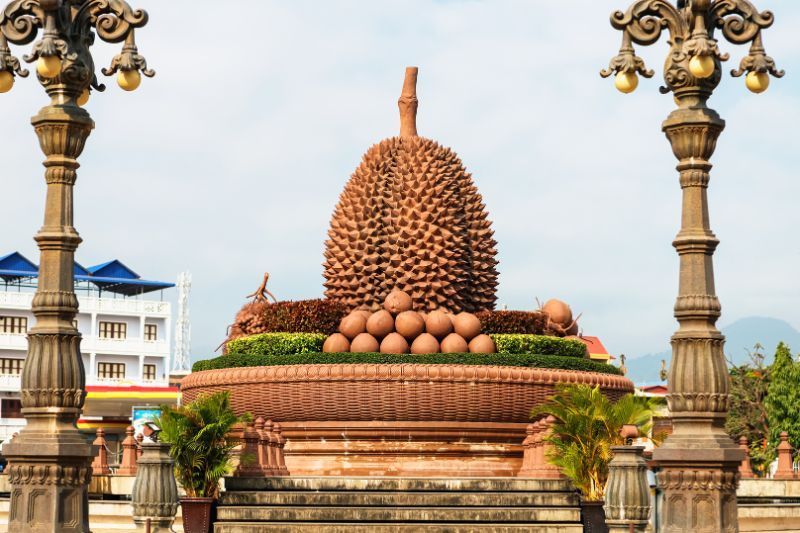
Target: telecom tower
[[183, 329]]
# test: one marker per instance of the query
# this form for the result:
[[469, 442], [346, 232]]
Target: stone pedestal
[[155, 493], [627, 496]]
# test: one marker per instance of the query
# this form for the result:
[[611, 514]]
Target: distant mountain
[[740, 336]]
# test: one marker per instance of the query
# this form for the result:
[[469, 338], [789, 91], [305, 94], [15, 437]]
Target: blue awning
[[111, 276]]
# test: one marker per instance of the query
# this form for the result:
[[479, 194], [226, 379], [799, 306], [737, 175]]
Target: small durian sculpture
[[398, 329], [410, 218]]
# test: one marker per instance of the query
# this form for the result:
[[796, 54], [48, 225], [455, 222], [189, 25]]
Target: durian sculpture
[[411, 219]]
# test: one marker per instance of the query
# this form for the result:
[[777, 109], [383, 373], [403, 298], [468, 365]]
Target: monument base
[[407, 449]]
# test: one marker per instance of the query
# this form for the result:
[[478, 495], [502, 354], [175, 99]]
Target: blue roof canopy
[[111, 276]]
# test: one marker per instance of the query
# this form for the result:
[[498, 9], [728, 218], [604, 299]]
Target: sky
[[230, 161]]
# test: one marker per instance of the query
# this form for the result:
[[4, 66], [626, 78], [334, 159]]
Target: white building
[[125, 342]]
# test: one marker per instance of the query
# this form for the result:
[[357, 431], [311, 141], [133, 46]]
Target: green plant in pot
[[197, 434], [587, 425]]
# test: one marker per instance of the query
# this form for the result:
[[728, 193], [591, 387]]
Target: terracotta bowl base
[[408, 449]]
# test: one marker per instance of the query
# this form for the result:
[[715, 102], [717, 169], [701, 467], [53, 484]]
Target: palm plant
[[197, 434], [587, 425]]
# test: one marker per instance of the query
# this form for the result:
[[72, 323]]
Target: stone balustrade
[[536, 450], [262, 450]]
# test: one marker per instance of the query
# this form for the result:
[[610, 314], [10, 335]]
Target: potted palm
[[197, 434], [586, 426]]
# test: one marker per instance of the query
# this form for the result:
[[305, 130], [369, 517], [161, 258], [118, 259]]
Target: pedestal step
[[360, 527], [400, 499], [354, 505], [387, 513]]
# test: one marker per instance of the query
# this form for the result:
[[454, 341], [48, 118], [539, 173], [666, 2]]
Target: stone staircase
[[356, 505]]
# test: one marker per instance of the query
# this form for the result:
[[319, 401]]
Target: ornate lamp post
[[698, 462], [50, 460]]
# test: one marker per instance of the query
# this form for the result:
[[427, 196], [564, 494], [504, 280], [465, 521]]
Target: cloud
[[230, 161]]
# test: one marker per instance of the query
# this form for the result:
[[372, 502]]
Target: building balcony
[[10, 382], [136, 347], [125, 382], [116, 306], [13, 341], [98, 345]]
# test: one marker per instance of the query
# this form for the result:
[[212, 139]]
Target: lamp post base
[[49, 478], [699, 487]]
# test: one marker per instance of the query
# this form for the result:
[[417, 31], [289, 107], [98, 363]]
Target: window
[[110, 370], [150, 332], [13, 324], [11, 408], [11, 366], [150, 372], [113, 330]]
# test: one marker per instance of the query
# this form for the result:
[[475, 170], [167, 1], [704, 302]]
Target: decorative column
[[698, 463], [627, 501], [528, 468], [280, 443], [785, 464], [745, 469], [100, 463], [155, 492], [50, 459], [248, 457], [263, 446], [129, 455]]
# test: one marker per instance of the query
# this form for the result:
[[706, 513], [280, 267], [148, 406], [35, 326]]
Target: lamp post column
[[698, 463], [50, 460]]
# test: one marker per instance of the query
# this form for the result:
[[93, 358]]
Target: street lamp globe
[[48, 66], [83, 98], [626, 82], [702, 66], [129, 80], [757, 82], [6, 81]]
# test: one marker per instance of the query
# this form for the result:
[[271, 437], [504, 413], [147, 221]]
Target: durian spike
[[408, 104]]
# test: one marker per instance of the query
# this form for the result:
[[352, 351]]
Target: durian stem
[[408, 104]]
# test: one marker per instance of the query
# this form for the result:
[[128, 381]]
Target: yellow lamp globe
[[702, 66], [48, 66], [129, 80], [757, 82], [626, 82], [83, 98], [6, 81]]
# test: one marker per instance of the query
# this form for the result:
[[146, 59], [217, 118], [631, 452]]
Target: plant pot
[[593, 517], [197, 514]]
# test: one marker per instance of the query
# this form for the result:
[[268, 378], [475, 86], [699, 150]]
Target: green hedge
[[508, 343], [277, 344], [527, 360]]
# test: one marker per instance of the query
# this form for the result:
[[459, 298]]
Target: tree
[[197, 434], [587, 425], [783, 397], [747, 411]]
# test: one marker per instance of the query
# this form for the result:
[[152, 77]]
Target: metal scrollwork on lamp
[[698, 463], [50, 459], [69, 27]]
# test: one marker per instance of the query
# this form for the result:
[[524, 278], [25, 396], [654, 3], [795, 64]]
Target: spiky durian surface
[[410, 218]]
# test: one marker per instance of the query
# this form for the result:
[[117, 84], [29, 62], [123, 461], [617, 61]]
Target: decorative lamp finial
[[408, 104]]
